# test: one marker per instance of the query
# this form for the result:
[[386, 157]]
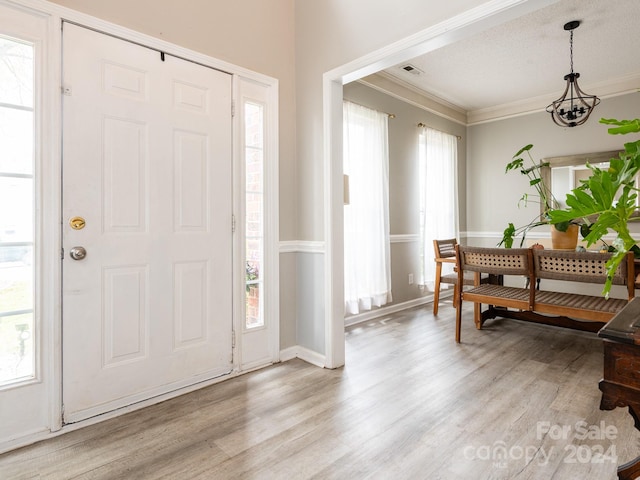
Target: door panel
[[147, 164]]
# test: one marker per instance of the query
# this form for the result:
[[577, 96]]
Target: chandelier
[[574, 106]]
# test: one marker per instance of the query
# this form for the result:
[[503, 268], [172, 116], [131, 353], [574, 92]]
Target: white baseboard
[[319, 360], [309, 356], [383, 311], [6, 445], [288, 354]]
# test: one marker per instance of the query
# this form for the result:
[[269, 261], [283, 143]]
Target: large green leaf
[[507, 236], [624, 126], [515, 164], [526, 148], [596, 196]]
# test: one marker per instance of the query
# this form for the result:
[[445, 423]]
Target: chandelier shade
[[574, 105]]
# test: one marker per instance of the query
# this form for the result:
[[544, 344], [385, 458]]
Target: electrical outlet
[[411, 279]]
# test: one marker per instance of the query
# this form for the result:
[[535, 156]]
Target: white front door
[[147, 194]]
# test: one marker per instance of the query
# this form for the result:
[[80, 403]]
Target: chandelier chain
[[571, 50]]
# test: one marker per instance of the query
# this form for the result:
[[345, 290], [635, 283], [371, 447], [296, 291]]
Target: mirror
[[563, 174]]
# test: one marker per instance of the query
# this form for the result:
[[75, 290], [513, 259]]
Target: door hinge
[[233, 223], [233, 108], [62, 253]]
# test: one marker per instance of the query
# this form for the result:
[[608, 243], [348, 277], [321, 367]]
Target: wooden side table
[[621, 383]]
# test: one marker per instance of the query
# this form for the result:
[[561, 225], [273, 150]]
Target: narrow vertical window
[[17, 335], [254, 218]]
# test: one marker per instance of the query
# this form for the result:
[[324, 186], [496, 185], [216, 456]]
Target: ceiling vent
[[411, 69]]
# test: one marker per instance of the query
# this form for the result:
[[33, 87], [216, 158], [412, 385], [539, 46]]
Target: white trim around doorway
[[449, 31]]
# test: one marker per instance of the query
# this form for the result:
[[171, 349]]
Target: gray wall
[[331, 33], [492, 195], [489, 199], [310, 298], [403, 180]]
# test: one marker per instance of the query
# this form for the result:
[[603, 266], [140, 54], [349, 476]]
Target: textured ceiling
[[527, 58]]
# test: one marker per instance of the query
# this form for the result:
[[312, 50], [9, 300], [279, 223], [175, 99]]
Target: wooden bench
[[572, 310]]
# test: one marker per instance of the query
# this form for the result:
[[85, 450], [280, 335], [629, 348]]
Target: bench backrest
[[498, 261], [588, 267]]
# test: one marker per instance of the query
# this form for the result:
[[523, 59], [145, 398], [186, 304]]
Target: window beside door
[[17, 326], [254, 213]]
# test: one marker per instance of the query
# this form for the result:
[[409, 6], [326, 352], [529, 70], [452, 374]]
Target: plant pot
[[565, 240]]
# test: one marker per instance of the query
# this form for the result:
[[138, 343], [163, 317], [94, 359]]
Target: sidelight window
[[254, 213], [17, 326]]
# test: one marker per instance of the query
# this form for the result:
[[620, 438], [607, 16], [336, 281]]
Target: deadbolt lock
[[77, 223]]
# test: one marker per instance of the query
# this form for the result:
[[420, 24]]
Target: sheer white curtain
[[367, 266], [438, 159]]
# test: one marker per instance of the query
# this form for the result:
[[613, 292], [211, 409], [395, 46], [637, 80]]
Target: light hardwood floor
[[409, 404]]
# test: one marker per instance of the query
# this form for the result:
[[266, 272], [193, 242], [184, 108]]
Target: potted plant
[[564, 234], [611, 196]]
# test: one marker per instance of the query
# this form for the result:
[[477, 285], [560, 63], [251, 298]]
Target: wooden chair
[[445, 251]]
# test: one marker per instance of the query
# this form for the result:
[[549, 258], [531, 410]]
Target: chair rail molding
[[405, 238], [301, 246]]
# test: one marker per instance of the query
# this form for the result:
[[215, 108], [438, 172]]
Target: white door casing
[[147, 164]]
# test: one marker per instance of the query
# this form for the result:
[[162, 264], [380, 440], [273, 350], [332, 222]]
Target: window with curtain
[[438, 158], [367, 265]]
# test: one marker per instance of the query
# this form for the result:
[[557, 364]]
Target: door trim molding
[[60, 13], [51, 192]]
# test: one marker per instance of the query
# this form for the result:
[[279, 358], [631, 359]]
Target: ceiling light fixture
[[574, 106]]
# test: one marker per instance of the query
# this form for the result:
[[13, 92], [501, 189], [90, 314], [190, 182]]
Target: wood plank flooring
[[511, 402]]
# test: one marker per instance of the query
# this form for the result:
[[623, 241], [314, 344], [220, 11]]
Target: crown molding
[[610, 88], [398, 88]]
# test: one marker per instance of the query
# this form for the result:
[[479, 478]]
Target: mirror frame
[[572, 160]]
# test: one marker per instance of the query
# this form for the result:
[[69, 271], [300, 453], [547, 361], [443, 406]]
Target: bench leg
[[458, 320], [477, 315], [455, 295], [436, 293]]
